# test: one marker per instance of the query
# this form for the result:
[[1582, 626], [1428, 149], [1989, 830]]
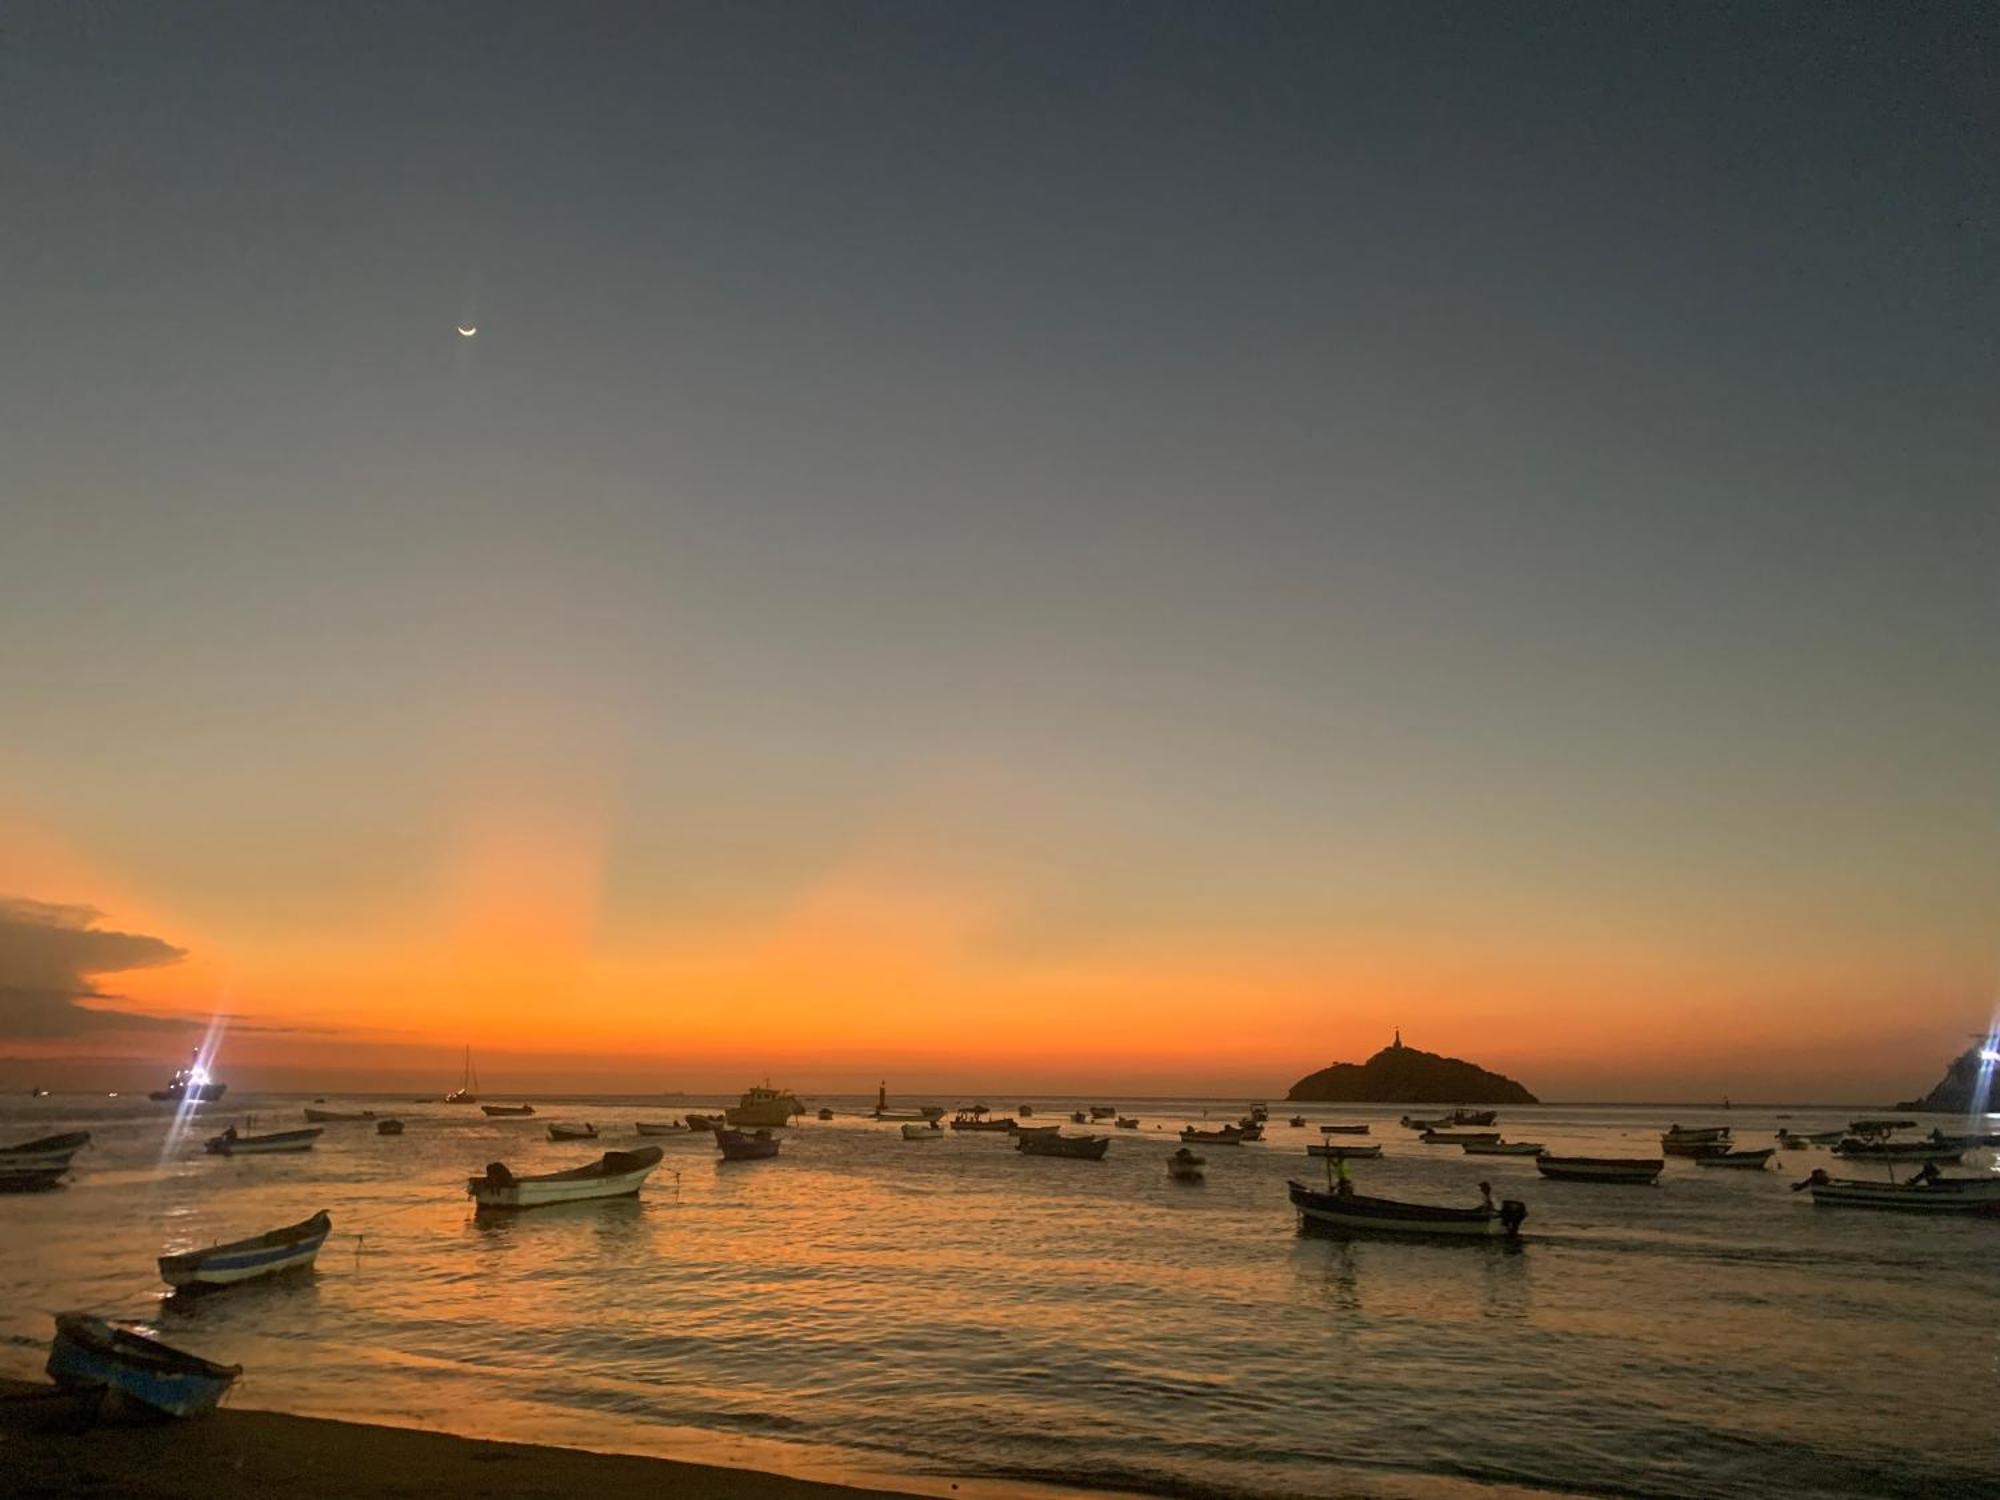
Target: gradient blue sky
[[1475, 516]]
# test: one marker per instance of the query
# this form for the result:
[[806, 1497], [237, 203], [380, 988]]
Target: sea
[[945, 1313]]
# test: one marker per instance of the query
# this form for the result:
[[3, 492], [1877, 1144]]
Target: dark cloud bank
[[50, 957]]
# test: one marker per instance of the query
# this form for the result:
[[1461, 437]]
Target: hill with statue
[[1408, 1075]]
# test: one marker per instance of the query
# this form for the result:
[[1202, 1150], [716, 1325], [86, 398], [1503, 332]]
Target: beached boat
[[1228, 1135], [1103, 1112], [1082, 1147], [1124, 1122], [89, 1353], [1754, 1161], [738, 1146], [1342, 1151], [233, 1143], [584, 1132], [1926, 1193], [388, 1127], [1503, 1148], [289, 1249], [1357, 1211], [507, 1111], [1855, 1148], [1185, 1166], [35, 1165], [332, 1116], [467, 1091], [663, 1127], [617, 1174], [190, 1085], [1459, 1137], [967, 1120], [1344, 1130], [912, 1131], [764, 1105], [1601, 1168]]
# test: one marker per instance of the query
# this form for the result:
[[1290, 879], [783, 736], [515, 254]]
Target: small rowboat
[[617, 1174], [230, 1143], [336, 1116], [1341, 1151], [1185, 1166], [1753, 1161], [1343, 1130], [1601, 1168], [1228, 1135], [1356, 1211], [1080, 1147], [1459, 1137], [506, 1111], [662, 1127], [37, 1164], [736, 1146], [1103, 1112], [1124, 1122], [1920, 1195], [584, 1132], [1503, 1148], [289, 1249], [91, 1354], [388, 1127], [930, 1132]]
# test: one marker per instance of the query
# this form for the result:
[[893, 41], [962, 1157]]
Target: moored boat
[[1081, 1147], [1929, 1192], [467, 1091], [1341, 1151], [332, 1116], [1026, 1111], [915, 1132], [968, 1120], [582, 1132], [1343, 1130], [507, 1111], [190, 1085], [1855, 1148], [289, 1249], [40, 1163], [1185, 1166], [233, 1143], [1409, 1122], [1126, 1122], [1228, 1135], [1750, 1160], [1358, 1211], [89, 1353], [1103, 1112], [763, 1105], [738, 1146], [707, 1122], [1459, 1137], [617, 1174], [825, 1113], [1681, 1140], [1601, 1168], [1250, 1129], [1474, 1116], [1880, 1126], [663, 1127], [388, 1127], [1298, 1122], [1503, 1148]]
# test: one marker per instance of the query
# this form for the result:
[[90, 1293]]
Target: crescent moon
[[468, 332]]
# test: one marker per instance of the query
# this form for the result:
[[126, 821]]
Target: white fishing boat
[[1929, 1192], [289, 1249], [931, 1132], [232, 1142], [617, 1174], [765, 1106]]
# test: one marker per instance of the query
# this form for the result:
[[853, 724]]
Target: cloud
[[49, 957]]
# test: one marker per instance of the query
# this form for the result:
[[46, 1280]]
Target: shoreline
[[244, 1454]]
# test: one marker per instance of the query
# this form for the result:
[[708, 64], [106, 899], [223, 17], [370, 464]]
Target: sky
[[1032, 546]]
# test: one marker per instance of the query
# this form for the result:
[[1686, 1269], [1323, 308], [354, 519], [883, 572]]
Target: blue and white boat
[[89, 1353], [289, 1249]]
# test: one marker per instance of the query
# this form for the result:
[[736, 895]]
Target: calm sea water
[[867, 1305]]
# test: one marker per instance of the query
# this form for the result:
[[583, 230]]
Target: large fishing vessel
[[765, 1106], [190, 1083]]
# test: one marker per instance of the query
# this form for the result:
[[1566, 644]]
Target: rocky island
[[1959, 1091], [1407, 1075]]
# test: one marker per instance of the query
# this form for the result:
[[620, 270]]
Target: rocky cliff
[[1955, 1093], [1406, 1075]]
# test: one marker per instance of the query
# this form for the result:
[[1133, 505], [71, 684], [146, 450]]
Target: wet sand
[[252, 1455]]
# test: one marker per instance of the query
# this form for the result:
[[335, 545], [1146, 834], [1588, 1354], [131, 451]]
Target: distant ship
[[765, 1106], [191, 1084], [467, 1091]]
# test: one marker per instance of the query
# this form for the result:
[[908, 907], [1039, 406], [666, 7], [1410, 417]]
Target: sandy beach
[[247, 1455]]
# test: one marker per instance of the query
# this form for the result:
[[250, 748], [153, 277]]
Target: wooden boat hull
[[572, 1132], [1077, 1147], [37, 1165], [1344, 1130], [1962, 1195], [264, 1145], [290, 1249], [1909, 1151], [1358, 1212], [506, 1111], [1600, 1168], [1459, 1137], [1748, 1161], [736, 1146], [1503, 1148], [998, 1126], [90, 1354], [1340, 1151], [1211, 1137], [915, 1132], [618, 1174], [32, 1179], [336, 1116]]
